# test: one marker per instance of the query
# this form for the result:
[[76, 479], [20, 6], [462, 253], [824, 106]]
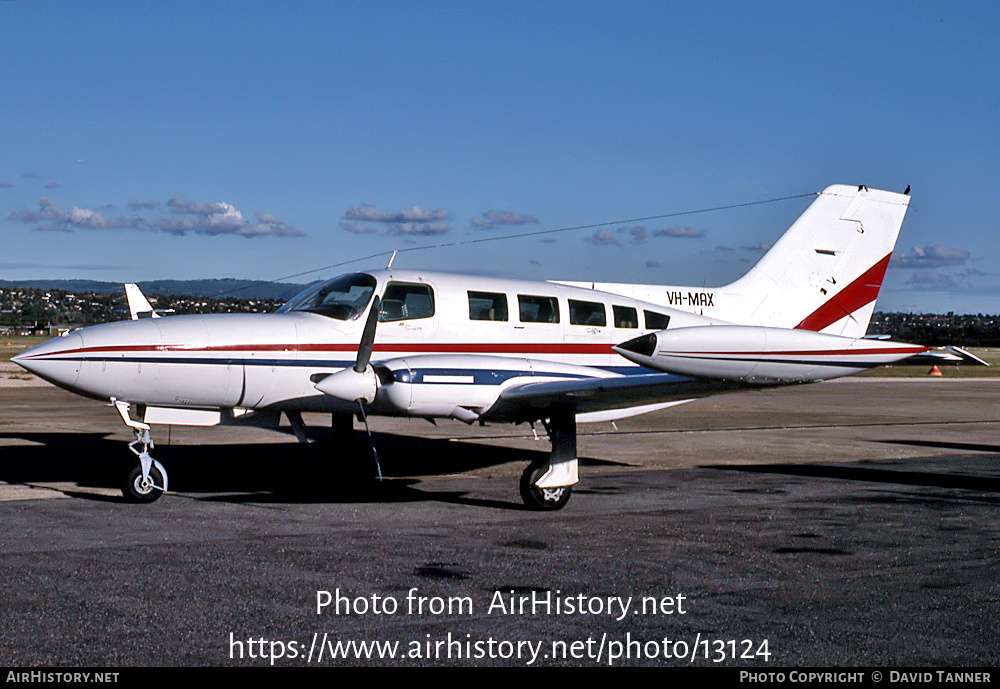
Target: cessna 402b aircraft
[[437, 345]]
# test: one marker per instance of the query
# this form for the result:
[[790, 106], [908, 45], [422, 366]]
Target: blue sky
[[259, 140]]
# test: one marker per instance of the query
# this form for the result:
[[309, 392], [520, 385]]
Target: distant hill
[[228, 287]]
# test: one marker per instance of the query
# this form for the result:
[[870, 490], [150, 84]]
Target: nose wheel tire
[[138, 490], [546, 499]]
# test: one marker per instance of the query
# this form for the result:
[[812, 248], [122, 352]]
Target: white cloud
[[47, 210], [219, 218], [932, 281], [205, 218], [357, 228], [56, 220], [930, 257], [602, 238], [419, 228], [928, 281], [680, 232], [183, 206], [92, 220], [412, 222], [493, 219], [367, 212]]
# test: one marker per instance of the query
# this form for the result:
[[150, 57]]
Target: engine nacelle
[[453, 386], [756, 354], [463, 387]]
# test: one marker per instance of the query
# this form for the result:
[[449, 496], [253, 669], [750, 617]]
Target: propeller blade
[[368, 337], [371, 441]]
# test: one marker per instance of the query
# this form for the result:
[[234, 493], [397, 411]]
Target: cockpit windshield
[[343, 298]]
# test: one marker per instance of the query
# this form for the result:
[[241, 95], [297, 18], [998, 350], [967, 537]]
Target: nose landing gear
[[148, 481]]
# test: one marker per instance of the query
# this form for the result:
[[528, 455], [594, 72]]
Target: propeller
[[359, 384], [361, 366]]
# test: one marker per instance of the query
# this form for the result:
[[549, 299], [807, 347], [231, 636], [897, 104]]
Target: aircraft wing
[[591, 395]]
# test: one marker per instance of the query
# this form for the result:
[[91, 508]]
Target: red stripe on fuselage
[[861, 292], [415, 347]]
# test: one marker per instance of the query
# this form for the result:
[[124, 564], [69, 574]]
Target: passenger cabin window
[[344, 297], [487, 306], [626, 317], [587, 313], [406, 301], [656, 321], [538, 309]]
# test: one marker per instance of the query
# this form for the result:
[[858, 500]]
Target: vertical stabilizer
[[138, 305], [825, 272]]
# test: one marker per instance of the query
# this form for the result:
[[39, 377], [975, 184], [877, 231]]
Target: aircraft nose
[[57, 360]]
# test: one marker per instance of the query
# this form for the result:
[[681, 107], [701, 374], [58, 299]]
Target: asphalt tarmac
[[845, 524]]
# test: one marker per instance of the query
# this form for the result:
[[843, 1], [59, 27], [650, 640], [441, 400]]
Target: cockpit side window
[[407, 301], [343, 298]]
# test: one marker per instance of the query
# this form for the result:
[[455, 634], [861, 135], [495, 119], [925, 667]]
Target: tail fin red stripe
[[861, 292]]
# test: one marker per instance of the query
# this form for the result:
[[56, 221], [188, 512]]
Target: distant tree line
[[29, 306], [934, 330]]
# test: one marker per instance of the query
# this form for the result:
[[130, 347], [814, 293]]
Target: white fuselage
[[257, 361]]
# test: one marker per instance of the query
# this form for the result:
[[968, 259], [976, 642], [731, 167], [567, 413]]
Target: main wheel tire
[[547, 499], [137, 490]]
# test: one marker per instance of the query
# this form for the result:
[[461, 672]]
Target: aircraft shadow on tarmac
[[980, 482], [336, 472], [947, 445]]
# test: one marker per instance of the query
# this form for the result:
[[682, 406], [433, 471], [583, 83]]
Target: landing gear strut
[[146, 482], [548, 484]]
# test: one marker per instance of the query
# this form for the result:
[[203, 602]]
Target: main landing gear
[[148, 481], [547, 484]]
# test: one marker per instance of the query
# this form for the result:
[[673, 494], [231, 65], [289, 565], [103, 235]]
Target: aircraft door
[[408, 313]]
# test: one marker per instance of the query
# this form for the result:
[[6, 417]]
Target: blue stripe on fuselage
[[494, 376]]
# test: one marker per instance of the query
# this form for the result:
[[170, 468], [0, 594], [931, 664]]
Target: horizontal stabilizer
[[945, 355]]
